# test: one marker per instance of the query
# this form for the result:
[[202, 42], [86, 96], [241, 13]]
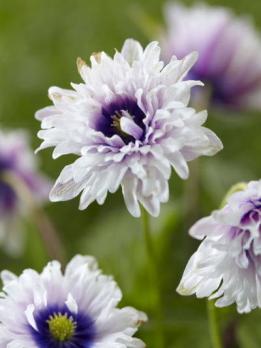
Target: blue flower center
[[247, 235], [58, 327], [253, 215], [8, 197], [221, 93], [122, 117], [5, 164]]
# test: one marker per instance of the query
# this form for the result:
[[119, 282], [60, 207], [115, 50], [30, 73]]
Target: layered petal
[[77, 308], [226, 266], [129, 123], [229, 52]]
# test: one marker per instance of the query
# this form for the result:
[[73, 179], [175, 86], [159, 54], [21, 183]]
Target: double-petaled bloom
[[227, 264], [128, 123], [229, 50], [19, 179], [77, 309]]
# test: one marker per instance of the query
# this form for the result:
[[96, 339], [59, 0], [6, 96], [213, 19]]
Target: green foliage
[[39, 44]]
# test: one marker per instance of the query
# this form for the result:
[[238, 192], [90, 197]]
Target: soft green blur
[[39, 44]]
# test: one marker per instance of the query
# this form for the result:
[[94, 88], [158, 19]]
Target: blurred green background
[[39, 44]]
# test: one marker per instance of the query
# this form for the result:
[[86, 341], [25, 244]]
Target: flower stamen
[[116, 122], [61, 327]]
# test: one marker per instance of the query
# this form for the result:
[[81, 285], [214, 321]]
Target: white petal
[[65, 187], [129, 188], [71, 304], [130, 127], [179, 164], [29, 313], [132, 50]]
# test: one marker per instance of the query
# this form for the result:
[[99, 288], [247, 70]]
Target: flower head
[[128, 123], [229, 52], [17, 165], [227, 265], [75, 309]]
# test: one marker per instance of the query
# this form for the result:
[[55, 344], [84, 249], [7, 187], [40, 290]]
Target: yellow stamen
[[61, 327]]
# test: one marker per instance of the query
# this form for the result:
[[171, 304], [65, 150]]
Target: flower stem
[[213, 325], [154, 273], [49, 235], [147, 237], [46, 229]]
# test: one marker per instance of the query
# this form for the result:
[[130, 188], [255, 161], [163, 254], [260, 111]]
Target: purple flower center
[[8, 197], [58, 327], [122, 117], [249, 236], [5, 163], [221, 92]]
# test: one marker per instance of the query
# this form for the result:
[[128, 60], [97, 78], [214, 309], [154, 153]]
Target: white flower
[[76, 309], [229, 50], [17, 164], [227, 264], [128, 123]]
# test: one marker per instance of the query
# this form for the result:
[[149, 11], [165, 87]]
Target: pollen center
[[61, 327], [122, 117], [116, 121]]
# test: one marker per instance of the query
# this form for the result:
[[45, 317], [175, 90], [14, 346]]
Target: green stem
[[46, 229], [147, 237], [154, 273], [213, 325], [49, 235]]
